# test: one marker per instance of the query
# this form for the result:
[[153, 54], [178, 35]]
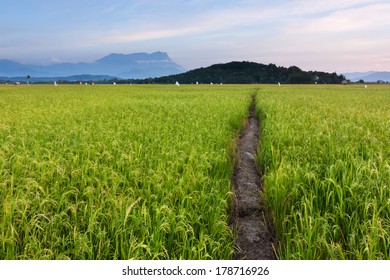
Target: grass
[[117, 172], [325, 155], [143, 172]]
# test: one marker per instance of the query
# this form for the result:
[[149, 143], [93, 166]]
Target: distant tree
[[249, 73]]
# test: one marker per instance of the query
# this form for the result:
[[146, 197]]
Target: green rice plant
[[325, 157], [118, 172]]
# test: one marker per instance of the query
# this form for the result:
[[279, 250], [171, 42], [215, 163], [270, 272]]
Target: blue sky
[[331, 35]]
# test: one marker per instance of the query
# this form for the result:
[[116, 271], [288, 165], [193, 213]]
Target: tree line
[[247, 73]]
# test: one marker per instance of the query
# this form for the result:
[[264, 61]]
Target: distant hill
[[159, 68], [127, 66], [250, 73], [369, 77], [71, 79]]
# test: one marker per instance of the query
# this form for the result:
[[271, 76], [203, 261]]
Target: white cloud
[[342, 39], [326, 16], [368, 18], [289, 32]]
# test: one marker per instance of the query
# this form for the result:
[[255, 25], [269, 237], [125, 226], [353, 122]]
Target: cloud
[[361, 19], [326, 16], [296, 32]]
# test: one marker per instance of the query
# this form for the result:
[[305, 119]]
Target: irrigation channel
[[255, 235]]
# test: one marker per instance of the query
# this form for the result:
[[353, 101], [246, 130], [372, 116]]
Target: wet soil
[[255, 235]]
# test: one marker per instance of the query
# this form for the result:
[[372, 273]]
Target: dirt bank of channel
[[255, 236]]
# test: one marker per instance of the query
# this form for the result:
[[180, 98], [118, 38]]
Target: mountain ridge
[[234, 72], [368, 76], [245, 72], [126, 66]]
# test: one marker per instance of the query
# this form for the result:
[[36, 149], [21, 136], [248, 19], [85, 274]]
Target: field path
[[255, 235]]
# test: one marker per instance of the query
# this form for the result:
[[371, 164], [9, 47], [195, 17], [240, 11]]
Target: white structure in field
[[278, 83], [55, 83], [177, 83]]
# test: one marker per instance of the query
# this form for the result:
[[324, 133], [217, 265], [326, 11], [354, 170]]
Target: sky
[[326, 35]]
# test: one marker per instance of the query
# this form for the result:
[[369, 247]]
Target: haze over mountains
[[143, 66], [126, 66], [369, 77]]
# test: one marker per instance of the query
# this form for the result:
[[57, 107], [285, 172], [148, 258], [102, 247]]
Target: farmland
[[121, 172], [144, 172], [325, 153]]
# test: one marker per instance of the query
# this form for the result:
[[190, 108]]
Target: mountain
[[127, 66], [369, 77], [71, 79], [250, 73]]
